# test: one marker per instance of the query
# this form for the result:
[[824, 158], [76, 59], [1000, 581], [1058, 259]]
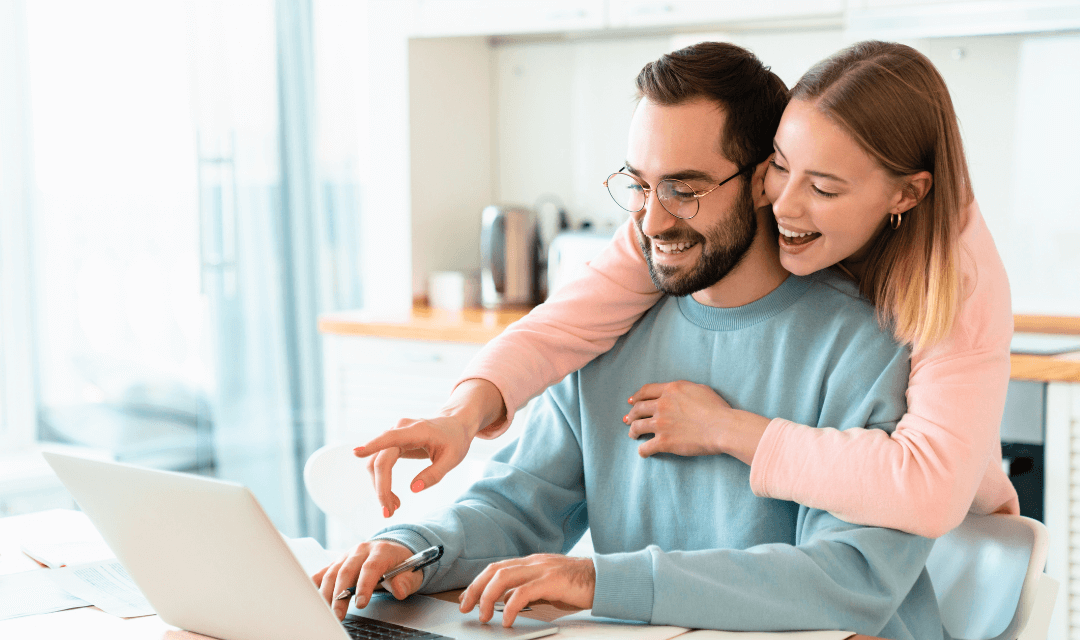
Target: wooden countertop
[[478, 326], [424, 323]]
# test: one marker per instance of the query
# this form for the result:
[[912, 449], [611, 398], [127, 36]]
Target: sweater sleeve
[[577, 323], [838, 576], [943, 458], [531, 499]]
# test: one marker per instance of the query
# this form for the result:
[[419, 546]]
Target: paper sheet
[[60, 537], [309, 553], [106, 585], [33, 592]]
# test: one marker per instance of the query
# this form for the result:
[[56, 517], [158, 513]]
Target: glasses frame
[[697, 194]]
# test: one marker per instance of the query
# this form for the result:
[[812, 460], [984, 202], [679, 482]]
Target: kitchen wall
[[551, 116]]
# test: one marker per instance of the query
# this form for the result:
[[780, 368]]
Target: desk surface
[[90, 623]]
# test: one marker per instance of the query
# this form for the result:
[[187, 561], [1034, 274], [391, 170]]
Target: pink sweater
[[943, 458]]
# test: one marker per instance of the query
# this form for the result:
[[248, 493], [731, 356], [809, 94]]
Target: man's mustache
[[687, 236]]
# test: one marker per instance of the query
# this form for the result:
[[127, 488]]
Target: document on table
[[104, 584], [60, 537], [32, 592]]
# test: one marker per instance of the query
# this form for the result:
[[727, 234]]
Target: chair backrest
[[985, 573]]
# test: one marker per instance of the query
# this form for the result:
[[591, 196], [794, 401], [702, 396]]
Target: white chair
[[988, 577]]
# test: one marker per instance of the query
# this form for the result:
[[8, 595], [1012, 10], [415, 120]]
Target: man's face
[[683, 142]]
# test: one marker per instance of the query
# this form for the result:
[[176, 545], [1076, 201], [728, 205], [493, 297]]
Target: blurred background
[[186, 186]]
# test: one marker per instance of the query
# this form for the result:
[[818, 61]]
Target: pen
[[418, 561]]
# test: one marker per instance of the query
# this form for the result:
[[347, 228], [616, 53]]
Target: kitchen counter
[[477, 326], [1058, 368]]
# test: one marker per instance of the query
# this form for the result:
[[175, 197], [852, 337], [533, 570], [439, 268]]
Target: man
[[678, 540]]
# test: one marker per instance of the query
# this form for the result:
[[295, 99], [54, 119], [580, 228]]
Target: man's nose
[[657, 219]]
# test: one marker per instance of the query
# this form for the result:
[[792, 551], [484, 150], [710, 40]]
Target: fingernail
[[385, 512], [626, 419], [417, 486], [630, 400]]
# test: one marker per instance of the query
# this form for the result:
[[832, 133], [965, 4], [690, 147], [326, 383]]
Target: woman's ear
[[757, 184], [913, 189]]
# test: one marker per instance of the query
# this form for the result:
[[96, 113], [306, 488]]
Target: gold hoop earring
[[894, 220]]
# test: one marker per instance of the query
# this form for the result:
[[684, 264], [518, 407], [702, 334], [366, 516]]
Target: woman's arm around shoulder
[[944, 456]]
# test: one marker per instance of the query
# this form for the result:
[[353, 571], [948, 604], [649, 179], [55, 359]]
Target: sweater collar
[[735, 318]]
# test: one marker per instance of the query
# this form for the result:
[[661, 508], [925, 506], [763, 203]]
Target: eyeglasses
[[678, 198]]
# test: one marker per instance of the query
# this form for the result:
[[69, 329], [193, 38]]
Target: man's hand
[[690, 419], [444, 440], [363, 568], [561, 580]]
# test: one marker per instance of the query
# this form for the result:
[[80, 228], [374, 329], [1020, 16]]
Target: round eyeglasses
[[678, 198]]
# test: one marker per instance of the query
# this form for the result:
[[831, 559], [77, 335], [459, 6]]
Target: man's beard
[[721, 250]]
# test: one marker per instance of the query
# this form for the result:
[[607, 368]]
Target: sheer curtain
[[192, 215]]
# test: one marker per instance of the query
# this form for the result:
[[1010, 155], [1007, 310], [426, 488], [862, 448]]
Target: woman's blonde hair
[[894, 103]]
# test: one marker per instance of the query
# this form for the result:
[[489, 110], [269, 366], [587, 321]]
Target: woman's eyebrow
[[818, 174]]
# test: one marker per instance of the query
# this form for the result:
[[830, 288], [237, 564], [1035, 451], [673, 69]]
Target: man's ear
[[913, 189], [757, 184]]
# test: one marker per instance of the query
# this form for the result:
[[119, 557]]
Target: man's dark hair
[[753, 97]]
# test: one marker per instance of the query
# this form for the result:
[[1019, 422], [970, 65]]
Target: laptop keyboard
[[367, 629]]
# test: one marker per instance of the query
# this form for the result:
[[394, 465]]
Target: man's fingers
[[650, 391], [328, 580], [518, 600], [317, 578], [347, 577], [381, 560], [504, 579], [406, 584], [642, 409]]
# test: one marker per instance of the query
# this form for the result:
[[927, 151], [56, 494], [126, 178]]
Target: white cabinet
[[1062, 501], [903, 19], [372, 383], [441, 18], [680, 13]]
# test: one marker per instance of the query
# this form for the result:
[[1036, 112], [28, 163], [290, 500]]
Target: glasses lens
[[626, 191], [678, 198]]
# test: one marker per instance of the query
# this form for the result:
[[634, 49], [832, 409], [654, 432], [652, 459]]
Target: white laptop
[[209, 560]]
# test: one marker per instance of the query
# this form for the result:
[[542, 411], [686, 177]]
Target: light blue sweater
[[684, 541]]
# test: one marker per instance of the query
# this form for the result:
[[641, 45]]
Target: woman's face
[[830, 198]]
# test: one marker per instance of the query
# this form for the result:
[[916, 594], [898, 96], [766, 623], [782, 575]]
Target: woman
[[931, 270]]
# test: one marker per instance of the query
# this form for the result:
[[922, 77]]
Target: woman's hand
[[444, 440], [689, 419]]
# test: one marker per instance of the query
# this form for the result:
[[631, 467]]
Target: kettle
[[508, 256]]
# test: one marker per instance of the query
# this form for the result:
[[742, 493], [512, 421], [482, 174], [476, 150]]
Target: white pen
[[418, 561]]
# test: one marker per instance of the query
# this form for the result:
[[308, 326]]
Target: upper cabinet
[[442, 18], [902, 19], [883, 19], [688, 13]]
